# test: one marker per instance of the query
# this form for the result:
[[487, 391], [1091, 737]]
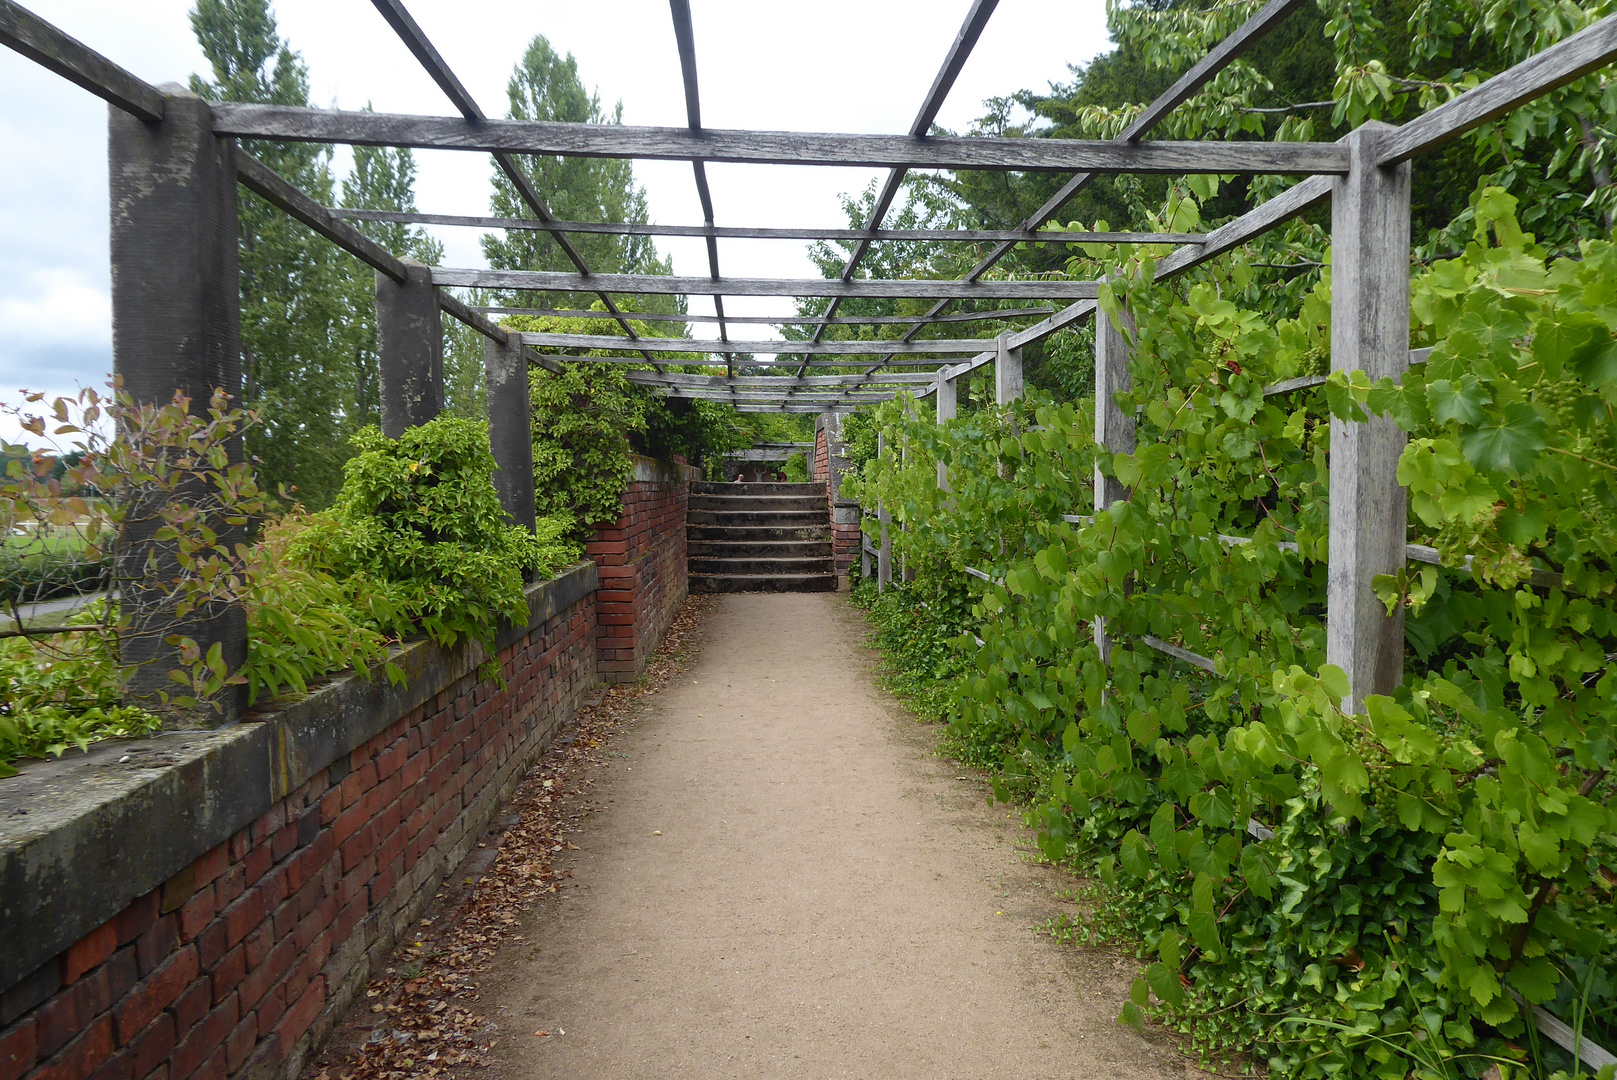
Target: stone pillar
[[510, 427], [176, 325], [1007, 371], [410, 349], [1369, 333]]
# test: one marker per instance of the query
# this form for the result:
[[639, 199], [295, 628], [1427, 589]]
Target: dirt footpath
[[785, 882]]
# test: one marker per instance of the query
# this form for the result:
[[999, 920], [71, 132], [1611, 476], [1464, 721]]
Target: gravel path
[[786, 883]]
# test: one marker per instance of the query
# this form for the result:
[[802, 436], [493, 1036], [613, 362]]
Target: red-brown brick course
[[640, 559], [236, 965]]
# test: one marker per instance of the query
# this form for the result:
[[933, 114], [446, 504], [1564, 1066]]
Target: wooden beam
[[50, 48], [286, 123], [739, 232], [769, 320], [1590, 49], [786, 366], [668, 285], [275, 189], [676, 378], [776, 347]]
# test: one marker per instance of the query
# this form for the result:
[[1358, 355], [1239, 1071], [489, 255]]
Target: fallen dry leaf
[[429, 986]]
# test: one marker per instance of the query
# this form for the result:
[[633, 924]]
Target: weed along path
[[786, 883]]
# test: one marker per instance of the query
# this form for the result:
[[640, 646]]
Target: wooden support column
[[1114, 428], [1369, 333], [884, 553], [410, 349], [176, 325], [945, 391], [510, 427], [1007, 371]]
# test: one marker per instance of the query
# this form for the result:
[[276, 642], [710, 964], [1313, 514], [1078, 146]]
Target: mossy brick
[[155, 993], [81, 1057]]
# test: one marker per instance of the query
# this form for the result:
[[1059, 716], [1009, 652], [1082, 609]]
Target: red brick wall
[[244, 960], [644, 575], [844, 534]]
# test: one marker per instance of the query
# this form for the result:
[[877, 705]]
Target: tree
[[546, 86], [307, 308]]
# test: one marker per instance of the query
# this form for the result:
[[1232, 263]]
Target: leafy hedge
[[1419, 863]]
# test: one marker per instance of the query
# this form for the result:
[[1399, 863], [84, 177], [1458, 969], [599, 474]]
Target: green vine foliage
[[1341, 895], [419, 540]]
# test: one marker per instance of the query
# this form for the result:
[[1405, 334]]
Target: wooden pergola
[[175, 166]]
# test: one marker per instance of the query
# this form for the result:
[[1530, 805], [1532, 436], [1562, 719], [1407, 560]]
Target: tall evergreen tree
[[546, 86], [308, 314]]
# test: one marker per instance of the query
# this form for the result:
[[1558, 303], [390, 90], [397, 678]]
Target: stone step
[[787, 567], [755, 534], [759, 549], [737, 583], [707, 487], [776, 519], [758, 503]]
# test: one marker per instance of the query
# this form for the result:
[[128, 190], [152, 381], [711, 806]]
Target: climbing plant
[[1344, 895]]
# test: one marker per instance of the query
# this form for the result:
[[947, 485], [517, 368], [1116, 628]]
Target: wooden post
[[884, 554], [1007, 371], [1114, 428], [945, 391], [1369, 333], [176, 325], [410, 349], [510, 427]]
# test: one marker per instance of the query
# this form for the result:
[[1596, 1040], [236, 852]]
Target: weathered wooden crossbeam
[[772, 320], [769, 382], [707, 345], [739, 232], [50, 48], [668, 285], [286, 123]]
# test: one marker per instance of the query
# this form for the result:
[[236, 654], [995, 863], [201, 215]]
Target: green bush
[[419, 540]]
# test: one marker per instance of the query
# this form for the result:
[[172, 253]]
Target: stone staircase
[[759, 538]]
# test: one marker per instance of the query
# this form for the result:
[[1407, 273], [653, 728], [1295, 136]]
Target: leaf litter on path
[[419, 1018]]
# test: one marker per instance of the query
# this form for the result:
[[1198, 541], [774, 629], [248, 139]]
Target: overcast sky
[[829, 65]]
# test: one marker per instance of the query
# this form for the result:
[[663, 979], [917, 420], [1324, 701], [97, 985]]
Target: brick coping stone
[[84, 835]]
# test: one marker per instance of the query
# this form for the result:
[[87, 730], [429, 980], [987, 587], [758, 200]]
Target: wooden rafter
[[668, 285], [287, 123], [771, 320], [734, 232]]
